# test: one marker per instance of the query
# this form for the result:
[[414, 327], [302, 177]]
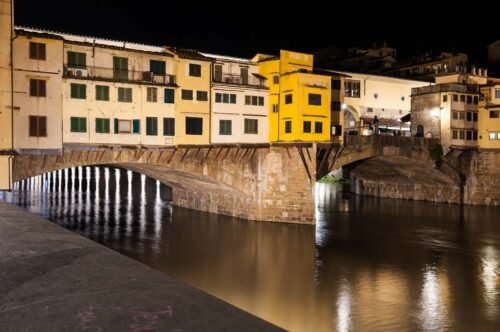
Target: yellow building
[[299, 99], [192, 100], [489, 115]]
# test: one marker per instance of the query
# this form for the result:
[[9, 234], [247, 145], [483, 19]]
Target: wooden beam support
[[159, 157], [243, 155], [118, 156], [325, 158], [206, 156], [228, 149], [236, 154], [197, 151], [308, 154], [219, 150], [185, 153], [301, 153], [251, 155], [287, 151]]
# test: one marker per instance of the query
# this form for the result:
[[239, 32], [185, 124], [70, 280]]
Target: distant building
[[239, 100], [449, 109], [426, 67], [374, 59], [489, 115], [494, 58]]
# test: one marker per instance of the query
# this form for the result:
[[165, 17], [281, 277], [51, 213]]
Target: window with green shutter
[[194, 70], [136, 126], [187, 94], [125, 95], [102, 92], [120, 68], [318, 127], [102, 126], [157, 67], [78, 125], [78, 91], [307, 126], [169, 96], [77, 60], [152, 94], [251, 126], [225, 127]]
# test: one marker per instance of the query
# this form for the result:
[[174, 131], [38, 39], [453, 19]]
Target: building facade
[[489, 115], [448, 110], [299, 98], [239, 101]]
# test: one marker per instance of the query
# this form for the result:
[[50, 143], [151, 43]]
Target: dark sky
[[412, 27]]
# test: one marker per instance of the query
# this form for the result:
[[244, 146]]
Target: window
[[152, 94], [38, 88], [136, 126], [276, 79], [494, 136], [102, 126], [352, 88], [125, 95], [288, 127], [497, 93], [461, 115], [201, 95], [307, 127], [194, 70], [217, 73], [474, 116], [120, 68], [288, 98], [454, 134], [78, 91], [336, 84], [454, 115], [455, 98], [251, 126], [476, 100], [336, 105], [151, 126], [275, 108], [78, 125], [187, 94], [469, 116], [462, 98], [254, 100], [168, 127], [445, 98], [169, 97], [157, 67], [469, 99], [225, 127], [469, 135], [318, 127], [123, 126], [494, 114], [38, 126], [461, 134], [194, 126], [232, 98], [474, 135], [336, 130], [77, 60], [102, 92], [37, 51], [314, 99]]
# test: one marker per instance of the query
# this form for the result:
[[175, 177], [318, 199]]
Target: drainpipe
[[279, 97], [12, 37]]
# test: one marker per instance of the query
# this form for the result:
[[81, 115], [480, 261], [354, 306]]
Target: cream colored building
[[489, 115], [367, 96], [239, 101]]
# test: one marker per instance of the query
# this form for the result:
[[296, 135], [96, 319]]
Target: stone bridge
[[269, 182]]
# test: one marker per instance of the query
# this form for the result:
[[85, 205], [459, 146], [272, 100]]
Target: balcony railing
[[118, 75], [239, 79], [455, 87]]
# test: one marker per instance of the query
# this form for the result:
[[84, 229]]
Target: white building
[[239, 101]]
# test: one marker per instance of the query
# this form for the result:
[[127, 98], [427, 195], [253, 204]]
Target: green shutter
[[169, 96], [74, 124], [78, 125], [136, 126], [102, 92], [157, 67], [116, 125]]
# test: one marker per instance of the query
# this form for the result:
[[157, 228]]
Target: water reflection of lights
[[490, 273], [344, 307], [430, 302]]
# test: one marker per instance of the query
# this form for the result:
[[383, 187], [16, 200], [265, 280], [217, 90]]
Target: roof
[[185, 53], [385, 121], [225, 57], [392, 78], [90, 40]]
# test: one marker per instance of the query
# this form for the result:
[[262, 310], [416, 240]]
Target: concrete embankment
[[54, 280], [397, 177]]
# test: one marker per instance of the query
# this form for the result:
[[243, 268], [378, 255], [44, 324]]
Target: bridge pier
[[267, 182]]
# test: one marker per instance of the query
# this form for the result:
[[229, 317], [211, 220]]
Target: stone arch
[[351, 119]]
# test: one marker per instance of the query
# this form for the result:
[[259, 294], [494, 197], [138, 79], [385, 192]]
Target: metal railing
[[118, 75], [238, 79]]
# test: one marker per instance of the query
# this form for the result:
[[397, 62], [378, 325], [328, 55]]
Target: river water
[[369, 264]]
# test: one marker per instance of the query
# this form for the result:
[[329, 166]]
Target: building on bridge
[[489, 115], [449, 109], [239, 101]]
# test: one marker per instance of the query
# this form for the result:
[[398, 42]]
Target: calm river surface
[[369, 264]]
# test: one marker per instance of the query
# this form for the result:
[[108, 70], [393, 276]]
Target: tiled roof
[[188, 54]]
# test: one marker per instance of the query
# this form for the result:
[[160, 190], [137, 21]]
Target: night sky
[[412, 27]]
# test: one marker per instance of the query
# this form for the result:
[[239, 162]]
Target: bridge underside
[[268, 183]]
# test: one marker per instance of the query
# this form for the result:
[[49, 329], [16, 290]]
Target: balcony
[[239, 80], [118, 75], [446, 87]]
